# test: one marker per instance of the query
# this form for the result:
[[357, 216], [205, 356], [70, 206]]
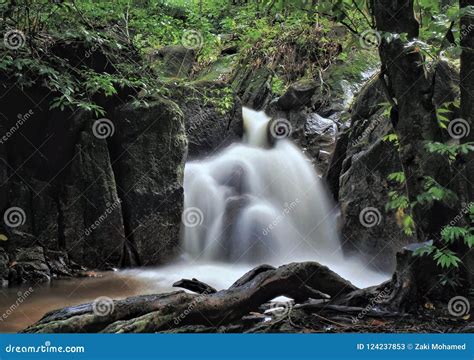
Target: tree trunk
[[413, 116]]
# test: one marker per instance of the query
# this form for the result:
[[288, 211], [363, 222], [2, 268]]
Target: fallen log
[[167, 312]]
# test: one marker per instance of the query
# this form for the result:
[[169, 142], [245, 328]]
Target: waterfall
[[255, 202]]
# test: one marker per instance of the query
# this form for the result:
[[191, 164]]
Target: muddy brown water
[[21, 307]]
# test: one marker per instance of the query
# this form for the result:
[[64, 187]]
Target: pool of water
[[20, 307]]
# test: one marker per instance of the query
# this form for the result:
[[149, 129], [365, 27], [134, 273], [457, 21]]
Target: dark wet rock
[[315, 135], [149, 149], [29, 266], [92, 202], [209, 130], [363, 185], [253, 87], [320, 135], [59, 264], [233, 208], [60, 174], [364, 189], [360, 166], [298, 95], [4, 266], [335, 164]]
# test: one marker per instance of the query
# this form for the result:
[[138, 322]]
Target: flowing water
[[257, 203], [252, 203]]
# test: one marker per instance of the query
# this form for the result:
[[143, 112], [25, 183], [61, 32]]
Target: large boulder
[[148, 153], [91, 210], [74, 190], [363, 186], [359, 170]]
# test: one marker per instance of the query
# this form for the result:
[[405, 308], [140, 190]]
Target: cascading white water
[[255, 203], [251, 204]]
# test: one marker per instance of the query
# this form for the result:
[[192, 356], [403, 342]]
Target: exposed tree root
[[169, 312], [195, 285]]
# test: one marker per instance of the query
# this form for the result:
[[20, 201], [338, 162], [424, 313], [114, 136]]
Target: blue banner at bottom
[[238, 346]]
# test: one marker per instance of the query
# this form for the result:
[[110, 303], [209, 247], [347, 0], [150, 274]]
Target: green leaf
[[469, 240], [451, 233], [446, 258], [397, 176], [425, 250]]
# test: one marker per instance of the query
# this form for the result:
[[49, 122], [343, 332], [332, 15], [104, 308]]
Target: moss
[[218, 70]]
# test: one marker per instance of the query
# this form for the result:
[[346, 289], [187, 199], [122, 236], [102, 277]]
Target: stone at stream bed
[[34, 265], [59, 263], [29, 266]]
